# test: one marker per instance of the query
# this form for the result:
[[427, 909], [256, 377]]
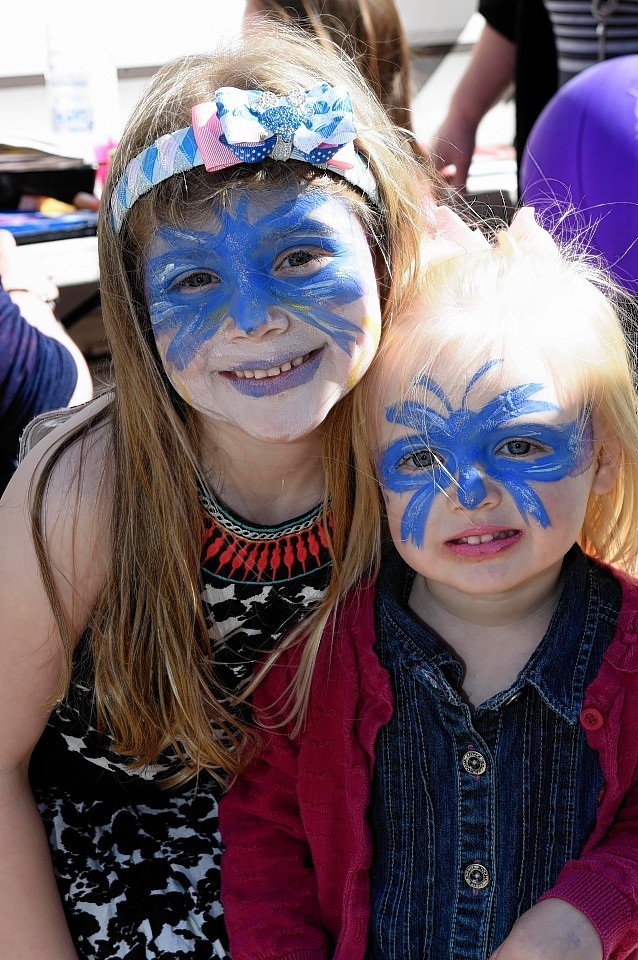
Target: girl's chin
[[263, 432], [277, 423]]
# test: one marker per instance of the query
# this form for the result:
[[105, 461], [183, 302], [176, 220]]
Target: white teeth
[[487, 537], [272, 371]]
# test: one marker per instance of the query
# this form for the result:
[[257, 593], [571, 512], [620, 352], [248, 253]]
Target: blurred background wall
[[134, 38]]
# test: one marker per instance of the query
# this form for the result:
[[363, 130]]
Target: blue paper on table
[[37, 227]]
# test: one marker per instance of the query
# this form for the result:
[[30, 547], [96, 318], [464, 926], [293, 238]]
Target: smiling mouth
[[486, 537], [271, 372]]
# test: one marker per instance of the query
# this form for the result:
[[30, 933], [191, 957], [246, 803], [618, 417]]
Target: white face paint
[[265, 319]]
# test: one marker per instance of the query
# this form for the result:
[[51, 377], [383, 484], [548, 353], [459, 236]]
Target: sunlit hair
[[368, 31], [154, 659], [524, 298]]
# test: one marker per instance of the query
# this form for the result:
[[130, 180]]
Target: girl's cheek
[[182, 389], [395, 509], [372, 326], [363, 359], [163, 342]]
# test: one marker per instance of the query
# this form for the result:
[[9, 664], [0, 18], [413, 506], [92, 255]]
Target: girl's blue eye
[[195, 281], [520, 448], [299, 258], [424, 459], [302, 260]]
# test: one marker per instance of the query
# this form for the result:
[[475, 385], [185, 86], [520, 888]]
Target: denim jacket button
[[591, 718], [476, 876], [474, 762]]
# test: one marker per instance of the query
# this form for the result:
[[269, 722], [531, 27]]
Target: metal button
[[476, 876], [474, 762]]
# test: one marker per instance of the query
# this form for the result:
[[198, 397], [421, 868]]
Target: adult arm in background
[[41, 368], [26, 291], [32, 921], [488, 75]]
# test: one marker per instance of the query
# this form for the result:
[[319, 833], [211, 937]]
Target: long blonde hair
[[477, 303], [154, 664]]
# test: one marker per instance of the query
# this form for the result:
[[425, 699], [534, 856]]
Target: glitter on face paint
[[244, 286], [268, 312]]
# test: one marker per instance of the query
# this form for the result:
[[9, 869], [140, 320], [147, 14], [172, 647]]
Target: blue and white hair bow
[[315, 126]]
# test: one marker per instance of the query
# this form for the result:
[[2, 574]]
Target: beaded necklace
[[243, 552]]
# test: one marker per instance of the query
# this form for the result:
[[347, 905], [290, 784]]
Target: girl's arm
[[32, 922], [551, 930], [592, 909], [269, 888], [603, 883]]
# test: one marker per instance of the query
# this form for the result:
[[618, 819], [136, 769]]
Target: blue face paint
[[235, 264], [464, 446]]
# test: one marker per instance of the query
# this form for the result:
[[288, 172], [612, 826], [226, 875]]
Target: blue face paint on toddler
[[246, 264], [462, 447]]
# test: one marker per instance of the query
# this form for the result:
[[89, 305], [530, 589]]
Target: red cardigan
[[295, 877]]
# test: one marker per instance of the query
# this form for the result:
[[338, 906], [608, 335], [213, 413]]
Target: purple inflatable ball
[[583, 154]]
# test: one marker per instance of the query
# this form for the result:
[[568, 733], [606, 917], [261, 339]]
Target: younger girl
[[471, 718], [257, 208]]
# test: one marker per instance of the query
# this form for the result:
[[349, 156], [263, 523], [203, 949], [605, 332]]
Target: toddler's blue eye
[[421, 460], [519, 448]]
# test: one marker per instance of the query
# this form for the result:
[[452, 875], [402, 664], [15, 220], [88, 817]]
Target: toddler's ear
[[608, 461]]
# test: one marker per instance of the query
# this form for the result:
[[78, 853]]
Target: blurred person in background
[[369, 31], [538, 45], [41, 368]]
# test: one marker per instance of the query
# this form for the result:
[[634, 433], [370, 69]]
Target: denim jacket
[[296, 872], [475, 812]]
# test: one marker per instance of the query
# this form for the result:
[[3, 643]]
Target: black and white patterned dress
[[138, 866]]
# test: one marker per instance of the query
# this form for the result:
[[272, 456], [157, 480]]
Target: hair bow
[[312, 125], [246, 126]]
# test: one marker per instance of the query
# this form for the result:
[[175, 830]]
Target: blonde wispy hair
[[155, 684], [499, 300]]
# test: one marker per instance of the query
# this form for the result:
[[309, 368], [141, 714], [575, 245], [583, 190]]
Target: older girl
[[259, 228]]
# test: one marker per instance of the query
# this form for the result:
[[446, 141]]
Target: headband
[[246, 126]]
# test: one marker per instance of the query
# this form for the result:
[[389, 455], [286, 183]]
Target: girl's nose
[[255, 322], [473, 489]]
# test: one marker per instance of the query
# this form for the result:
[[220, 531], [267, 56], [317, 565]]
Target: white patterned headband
[[246, 126]]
